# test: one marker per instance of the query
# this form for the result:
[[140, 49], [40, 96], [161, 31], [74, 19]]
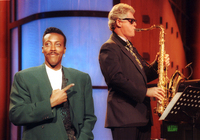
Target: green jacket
[[30, 105]]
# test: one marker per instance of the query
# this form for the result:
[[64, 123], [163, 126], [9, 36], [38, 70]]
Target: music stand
[[184, 106]]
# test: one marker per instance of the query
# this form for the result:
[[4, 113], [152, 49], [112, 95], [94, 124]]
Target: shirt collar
[[123, 38]]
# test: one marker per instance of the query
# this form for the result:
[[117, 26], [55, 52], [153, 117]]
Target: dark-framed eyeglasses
[[131, 20]]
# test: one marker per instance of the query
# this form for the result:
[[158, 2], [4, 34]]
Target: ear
[[118, 23], [65, 50], [42, 49]]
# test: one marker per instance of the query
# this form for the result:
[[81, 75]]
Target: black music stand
[[184, 106]]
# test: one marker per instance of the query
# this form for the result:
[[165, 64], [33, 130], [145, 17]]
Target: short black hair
[[55, 30]]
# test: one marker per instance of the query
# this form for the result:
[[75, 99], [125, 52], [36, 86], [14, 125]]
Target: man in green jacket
[[50, 101]]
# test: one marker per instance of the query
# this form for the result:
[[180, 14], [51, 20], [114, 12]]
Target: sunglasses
[[131, 20]]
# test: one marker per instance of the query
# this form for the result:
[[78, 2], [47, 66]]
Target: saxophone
[[171, 87]]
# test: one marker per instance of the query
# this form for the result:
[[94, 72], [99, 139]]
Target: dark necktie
[[65, 114], [129, 47]]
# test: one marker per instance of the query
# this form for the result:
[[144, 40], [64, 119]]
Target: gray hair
[[119, 11]]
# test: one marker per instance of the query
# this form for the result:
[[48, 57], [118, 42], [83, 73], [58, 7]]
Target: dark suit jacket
[[30, 105], [127, 104]]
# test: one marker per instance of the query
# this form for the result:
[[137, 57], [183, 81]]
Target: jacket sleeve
[[23, 110], [151, 71], [89, 117]]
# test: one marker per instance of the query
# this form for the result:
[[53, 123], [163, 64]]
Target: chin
[[133, 35], [53, 66]]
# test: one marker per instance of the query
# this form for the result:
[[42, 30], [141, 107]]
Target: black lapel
[[67, 79], [64, 80]]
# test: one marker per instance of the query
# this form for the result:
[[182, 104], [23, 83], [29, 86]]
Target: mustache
[[53, 53]]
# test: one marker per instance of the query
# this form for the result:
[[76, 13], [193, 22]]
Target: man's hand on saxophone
[[156, 92], [166, 59]]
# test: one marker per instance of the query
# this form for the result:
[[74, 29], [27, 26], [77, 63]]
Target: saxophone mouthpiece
[[138, 30]]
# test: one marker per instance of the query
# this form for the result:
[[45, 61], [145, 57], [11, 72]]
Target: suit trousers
[[132, 133]]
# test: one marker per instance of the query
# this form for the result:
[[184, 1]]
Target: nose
[[135, 24], [53, 47]]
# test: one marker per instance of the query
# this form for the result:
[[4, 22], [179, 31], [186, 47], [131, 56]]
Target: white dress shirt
[[55, 77]]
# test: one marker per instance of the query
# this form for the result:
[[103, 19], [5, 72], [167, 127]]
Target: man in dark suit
[[126, 75], [53, 102]]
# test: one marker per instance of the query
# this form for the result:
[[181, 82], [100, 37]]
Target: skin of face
[[125, 28], [53, 49]]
